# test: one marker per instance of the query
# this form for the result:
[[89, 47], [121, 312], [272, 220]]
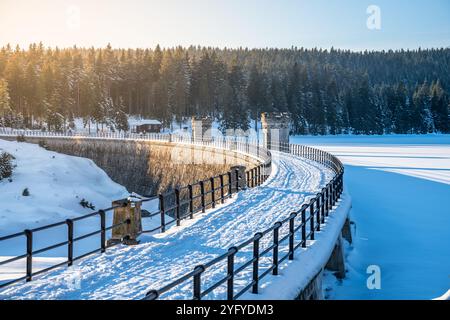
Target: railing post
[[322, 205], [330, 195], [191, 201], [291, 235], [311, 219], [303, 227], [276, 242], [177, 209], [222, 200], [256, 262], [230, 192], [29, 272], [247, 174], [213, 192], [256, 176], [102, 230], [230, 272], [197, 287], [202, 191], [69, 242], [318, 219], [163, 214]]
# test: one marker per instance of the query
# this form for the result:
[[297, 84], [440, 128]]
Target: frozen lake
[[400, 187]]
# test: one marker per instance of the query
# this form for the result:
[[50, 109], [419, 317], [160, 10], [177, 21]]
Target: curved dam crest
[[142, 166]]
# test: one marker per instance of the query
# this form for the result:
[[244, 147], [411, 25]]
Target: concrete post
[[129, 209], [275, 126], [242, 177], [347, 232], [201, 129]]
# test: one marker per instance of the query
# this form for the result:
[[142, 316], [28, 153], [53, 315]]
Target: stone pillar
[[126, 233], [275, 126], [201, 128]]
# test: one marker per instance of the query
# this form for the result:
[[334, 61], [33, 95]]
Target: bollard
[[127, 233]]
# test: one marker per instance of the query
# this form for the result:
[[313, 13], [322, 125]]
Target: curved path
[[129, 272]]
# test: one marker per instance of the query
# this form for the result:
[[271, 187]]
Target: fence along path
[[129, 273], [266, 249], [174, 206]]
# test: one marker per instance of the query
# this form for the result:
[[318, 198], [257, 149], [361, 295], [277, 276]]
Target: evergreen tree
[[5, 105], [439, 108]]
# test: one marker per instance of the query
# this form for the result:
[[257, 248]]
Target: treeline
[[326, 91]]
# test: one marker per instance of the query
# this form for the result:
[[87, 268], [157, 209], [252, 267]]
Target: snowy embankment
[[129, 272], [400, 186], [56, 184]]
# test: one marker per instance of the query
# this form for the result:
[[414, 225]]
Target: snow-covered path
[[128, 272]]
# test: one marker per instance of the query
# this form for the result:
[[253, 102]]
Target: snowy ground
[[128, 272], [400, 186]]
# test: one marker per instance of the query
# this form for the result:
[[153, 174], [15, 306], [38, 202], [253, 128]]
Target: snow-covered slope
[[128, 272], [56, 184]]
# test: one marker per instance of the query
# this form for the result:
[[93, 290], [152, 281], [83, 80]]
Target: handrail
[[259, 173], [319, 208]]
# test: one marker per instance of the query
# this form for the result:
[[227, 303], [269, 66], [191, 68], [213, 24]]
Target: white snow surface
[[56, 183], [296, 274], [400, 186], [129, 272]]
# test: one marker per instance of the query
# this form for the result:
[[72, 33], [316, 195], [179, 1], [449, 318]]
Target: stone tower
[[201, 128], [275, 126]]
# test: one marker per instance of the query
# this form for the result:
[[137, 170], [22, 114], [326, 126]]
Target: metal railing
[[179, 204], [182, 203], [70, 242], [243, 145], [300, 226]]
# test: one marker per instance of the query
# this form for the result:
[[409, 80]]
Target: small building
[[150, 126]]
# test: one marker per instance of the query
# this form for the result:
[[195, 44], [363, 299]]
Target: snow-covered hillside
[[400, 186], [56, 184]]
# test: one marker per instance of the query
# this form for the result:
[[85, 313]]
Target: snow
[[129, 272], [135, 121], [445, 296], [308, 262], [56, 182], [399, 186]]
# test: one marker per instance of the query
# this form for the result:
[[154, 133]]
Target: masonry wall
[[149, 167]]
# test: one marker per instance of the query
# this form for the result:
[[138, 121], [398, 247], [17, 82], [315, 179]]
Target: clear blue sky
[[231, 23]]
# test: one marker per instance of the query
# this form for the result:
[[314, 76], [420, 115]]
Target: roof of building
[[148, 121]]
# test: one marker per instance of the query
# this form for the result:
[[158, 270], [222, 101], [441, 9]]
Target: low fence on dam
[[174, 206]]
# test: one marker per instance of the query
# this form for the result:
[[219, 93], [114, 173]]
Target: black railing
[[179, 204], [30, 252], [184, 202], [301, 227]]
